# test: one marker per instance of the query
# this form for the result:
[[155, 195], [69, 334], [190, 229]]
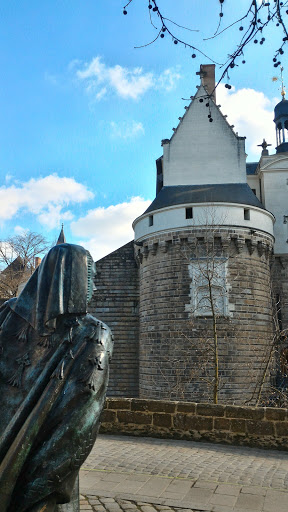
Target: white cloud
[[53, 216], [168, 79], [108, 228], [101, 93], [126, 130], [18, 230], [44, 197], [251, 112], [8, 178], [99, 79]]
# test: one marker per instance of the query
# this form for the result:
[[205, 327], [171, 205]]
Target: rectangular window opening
[[189, 213], [254, 191], [246, 214], [150, 220], [208, 296]]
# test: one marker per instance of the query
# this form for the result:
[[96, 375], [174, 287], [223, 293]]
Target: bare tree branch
[[17, 260], [250, 22]]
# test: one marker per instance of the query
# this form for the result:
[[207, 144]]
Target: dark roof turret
[[61, 238]]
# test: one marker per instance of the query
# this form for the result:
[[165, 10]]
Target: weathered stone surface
[[153, 405], [210, 410], [192, 422], [138, 418], [260, 427], [222, 424], [116, 302], [275, 414], [119, 403], [188, 425], [238, 425], [244, 412], [162, 420], [281, 428], [172, 339], [108, 416], [188, 407]]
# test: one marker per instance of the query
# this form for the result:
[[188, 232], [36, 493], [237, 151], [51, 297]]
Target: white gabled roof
[[203, 151]]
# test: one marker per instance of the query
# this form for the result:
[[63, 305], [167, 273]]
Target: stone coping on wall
[[265, 427]]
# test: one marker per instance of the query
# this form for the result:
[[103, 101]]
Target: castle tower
[[270, 181], [203, 248]]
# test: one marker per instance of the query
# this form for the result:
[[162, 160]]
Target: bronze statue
[[53, 378]]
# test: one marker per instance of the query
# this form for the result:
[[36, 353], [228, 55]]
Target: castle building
[[190, 300]]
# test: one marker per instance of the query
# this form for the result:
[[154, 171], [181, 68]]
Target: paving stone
[[130, 486], [154, 487], [251, 501], [209, 462], [222, 508], [179, 486], [147, 508], [275, 501], [113, 477], [260, 491], [205, 485], [243, 510], [231, 490], [199, 495], [131, 473], [223, 499]]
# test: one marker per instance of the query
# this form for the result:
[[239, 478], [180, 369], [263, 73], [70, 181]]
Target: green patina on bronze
[[53, 378]]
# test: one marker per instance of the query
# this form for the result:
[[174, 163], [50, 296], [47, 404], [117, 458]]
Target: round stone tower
[[203, 248]]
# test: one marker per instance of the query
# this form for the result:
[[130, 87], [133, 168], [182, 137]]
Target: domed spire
[[281, 120]]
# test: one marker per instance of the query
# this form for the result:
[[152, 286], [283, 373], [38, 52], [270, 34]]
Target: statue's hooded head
[[61, 285]]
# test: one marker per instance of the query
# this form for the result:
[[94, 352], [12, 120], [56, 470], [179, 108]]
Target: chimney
[[207, 75], [37, 261]]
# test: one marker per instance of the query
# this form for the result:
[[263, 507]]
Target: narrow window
[[150, 220], [246, 214], [254, 191], [189, 213]]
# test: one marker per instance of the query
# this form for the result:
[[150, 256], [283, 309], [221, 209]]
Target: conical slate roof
[[239, 193]]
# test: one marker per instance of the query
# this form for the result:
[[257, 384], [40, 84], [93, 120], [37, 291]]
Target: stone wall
[[262, 427], [176, 345], [280, 287], [115, 302]]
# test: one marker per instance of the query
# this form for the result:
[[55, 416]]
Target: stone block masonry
[[115, 302], [262, 427], [176, 343]]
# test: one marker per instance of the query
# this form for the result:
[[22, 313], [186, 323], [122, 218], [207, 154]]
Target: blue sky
[[83, 112]]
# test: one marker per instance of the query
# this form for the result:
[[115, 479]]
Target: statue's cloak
[[53, 377]]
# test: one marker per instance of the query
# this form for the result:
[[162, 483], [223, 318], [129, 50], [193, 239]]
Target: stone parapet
[[231, 240], [249, 426]]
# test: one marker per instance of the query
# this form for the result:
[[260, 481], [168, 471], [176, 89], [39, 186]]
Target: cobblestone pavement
[[92, 503], [158, 475]]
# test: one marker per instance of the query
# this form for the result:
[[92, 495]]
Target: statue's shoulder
[[89, 319], [5, 309], [97, 331]]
